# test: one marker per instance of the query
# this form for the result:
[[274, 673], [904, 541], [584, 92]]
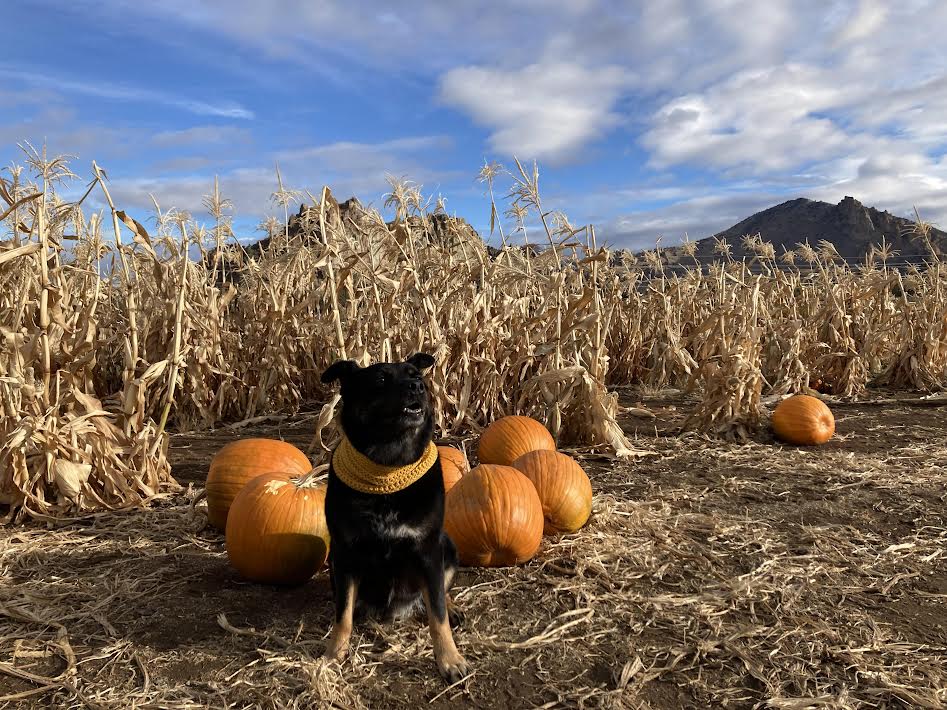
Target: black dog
[[388, 550]]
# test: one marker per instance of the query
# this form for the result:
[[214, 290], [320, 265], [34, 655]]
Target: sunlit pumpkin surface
[[508, 438], [453, 465], [494, 517], [803, 420], [240, 462], [276, 530], [564, 489]]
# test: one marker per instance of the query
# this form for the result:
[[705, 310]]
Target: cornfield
[[114, 334]]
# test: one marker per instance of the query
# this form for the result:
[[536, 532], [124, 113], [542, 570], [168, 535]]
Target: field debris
[[710, 575]]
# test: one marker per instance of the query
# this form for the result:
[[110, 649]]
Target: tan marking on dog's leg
[[449, 661], [342, 628], [454, 613]]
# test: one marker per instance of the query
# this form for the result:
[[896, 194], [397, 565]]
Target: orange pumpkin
[[454, 465], [508, 438], [803, 420], [276, 529], [494, 517], [240, 462], [564, 489]]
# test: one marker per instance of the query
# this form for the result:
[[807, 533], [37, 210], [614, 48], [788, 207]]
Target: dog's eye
[[381, 378]]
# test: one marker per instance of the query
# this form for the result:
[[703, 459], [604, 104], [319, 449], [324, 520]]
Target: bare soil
[[710, 575]]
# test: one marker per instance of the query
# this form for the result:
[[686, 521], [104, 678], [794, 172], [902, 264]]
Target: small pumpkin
[[453, 464], [509, 437], [494, 517], [241, 461], [276, 529], [803, 420], [564, 489]]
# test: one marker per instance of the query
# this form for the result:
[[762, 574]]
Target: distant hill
[[849, 225]]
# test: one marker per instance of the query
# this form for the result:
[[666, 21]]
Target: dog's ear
[[422, 361], [339, 370]]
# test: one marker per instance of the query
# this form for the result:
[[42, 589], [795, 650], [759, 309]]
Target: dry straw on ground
[[112, 334], [673, 595]]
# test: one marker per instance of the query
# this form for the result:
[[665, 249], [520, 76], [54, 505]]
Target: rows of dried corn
[[114, 333]]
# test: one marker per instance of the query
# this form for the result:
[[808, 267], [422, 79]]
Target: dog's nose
[[416, 386]]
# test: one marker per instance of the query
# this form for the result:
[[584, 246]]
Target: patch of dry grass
[[680, 597]]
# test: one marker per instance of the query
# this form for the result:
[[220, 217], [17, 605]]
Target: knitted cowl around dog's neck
[[358, 471]]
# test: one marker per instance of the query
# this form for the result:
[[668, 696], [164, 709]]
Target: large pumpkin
[[453, 464], [803, 420], [276, 529], [240, 462], [509, 437], [564, 489], [494, 517]]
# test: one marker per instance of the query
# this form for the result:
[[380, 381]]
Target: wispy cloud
[[354, 155], [696, 217], [360, 169], [118, 92], [348, 168], [185, 164], [198, 136]]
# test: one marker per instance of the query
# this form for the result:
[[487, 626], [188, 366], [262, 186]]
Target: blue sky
[[647, 119]]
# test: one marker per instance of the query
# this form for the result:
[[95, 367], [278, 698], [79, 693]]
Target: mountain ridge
[[849, 225]]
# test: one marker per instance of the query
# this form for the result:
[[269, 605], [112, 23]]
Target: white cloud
[[895, 179], [353, 155], [59, 128], [544, 111], [248, 188], [117, 92], [698, 216], [349, 169], [760, 121], [352, 168], [869, 19]]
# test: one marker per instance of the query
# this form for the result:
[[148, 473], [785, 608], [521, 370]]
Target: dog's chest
[[389, 524]]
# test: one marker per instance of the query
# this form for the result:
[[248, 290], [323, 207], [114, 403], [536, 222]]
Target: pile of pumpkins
[[266, 497], [270, 502]]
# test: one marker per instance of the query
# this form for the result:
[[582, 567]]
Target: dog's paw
[[453, 667], [336, 649]]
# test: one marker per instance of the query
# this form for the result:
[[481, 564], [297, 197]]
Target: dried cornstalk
[[164, 341]]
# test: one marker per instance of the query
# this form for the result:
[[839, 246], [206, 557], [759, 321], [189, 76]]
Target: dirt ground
[[710, 575]]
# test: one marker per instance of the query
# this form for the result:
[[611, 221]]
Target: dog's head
[[387, 403]]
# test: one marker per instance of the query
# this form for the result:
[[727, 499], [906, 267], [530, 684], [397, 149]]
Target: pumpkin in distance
[[565, 490], [509, 437], [494, 517], [241, 461], [453, 464], [803, 420], [276, 529]]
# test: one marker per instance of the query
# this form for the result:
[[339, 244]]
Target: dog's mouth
[[413, 410]]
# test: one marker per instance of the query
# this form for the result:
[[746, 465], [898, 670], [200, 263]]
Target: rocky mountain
[[849, 225]]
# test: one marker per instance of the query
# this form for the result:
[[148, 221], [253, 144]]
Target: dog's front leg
[[449, 661], [345, 587]]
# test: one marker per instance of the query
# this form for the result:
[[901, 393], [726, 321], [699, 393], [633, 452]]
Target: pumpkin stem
[[311, 479]]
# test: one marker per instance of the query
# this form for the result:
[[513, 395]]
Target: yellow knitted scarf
[[358, 471]]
